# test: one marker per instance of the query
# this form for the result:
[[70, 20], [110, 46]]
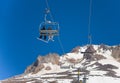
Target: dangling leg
[[50, 38], [45, 37], [40, 37]]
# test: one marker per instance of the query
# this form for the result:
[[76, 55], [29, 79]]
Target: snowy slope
[[99, 66]]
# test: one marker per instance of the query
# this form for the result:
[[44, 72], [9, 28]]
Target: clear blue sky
[[19, 21]]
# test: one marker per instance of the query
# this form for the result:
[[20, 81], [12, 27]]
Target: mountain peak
[[39, 63], [92, 60]]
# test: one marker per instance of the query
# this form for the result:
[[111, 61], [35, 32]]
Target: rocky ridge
[[96, 61], [93, 53]]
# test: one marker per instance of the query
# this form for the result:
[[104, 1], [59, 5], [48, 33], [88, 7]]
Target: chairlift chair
[[48, 30]]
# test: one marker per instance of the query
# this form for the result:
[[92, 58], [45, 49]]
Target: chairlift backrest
[[49, 28]]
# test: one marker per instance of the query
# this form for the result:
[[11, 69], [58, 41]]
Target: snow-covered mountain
[[98, 63]]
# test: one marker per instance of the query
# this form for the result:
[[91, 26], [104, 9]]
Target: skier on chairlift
[[50, 35], [43, 34]]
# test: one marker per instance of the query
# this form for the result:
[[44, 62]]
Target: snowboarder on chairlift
[[43, 33], [50, 35]]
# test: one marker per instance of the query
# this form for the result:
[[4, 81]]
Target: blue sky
[[19, 21]]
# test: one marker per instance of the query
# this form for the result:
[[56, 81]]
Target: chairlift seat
[[49, 32]]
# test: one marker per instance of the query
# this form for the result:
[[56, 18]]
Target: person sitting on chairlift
[[50, 35], [43, 33]]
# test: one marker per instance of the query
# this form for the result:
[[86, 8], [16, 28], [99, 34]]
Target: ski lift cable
[[89, 23], [61, 45], [47, 4], [59, 40], [48, 7]]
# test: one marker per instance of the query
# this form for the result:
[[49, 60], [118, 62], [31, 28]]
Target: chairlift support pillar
[[78, 75], [85, 79]]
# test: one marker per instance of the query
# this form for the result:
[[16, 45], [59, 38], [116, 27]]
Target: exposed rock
[[29, 69], [99, 57], [53, 58], [106, 67], [48, 68], [104, 47], [75, 50], [96, 63], [111, 73], [38, 61], [116, 53], [72, 60], [109, 66], [38, 64], [38, 68]]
